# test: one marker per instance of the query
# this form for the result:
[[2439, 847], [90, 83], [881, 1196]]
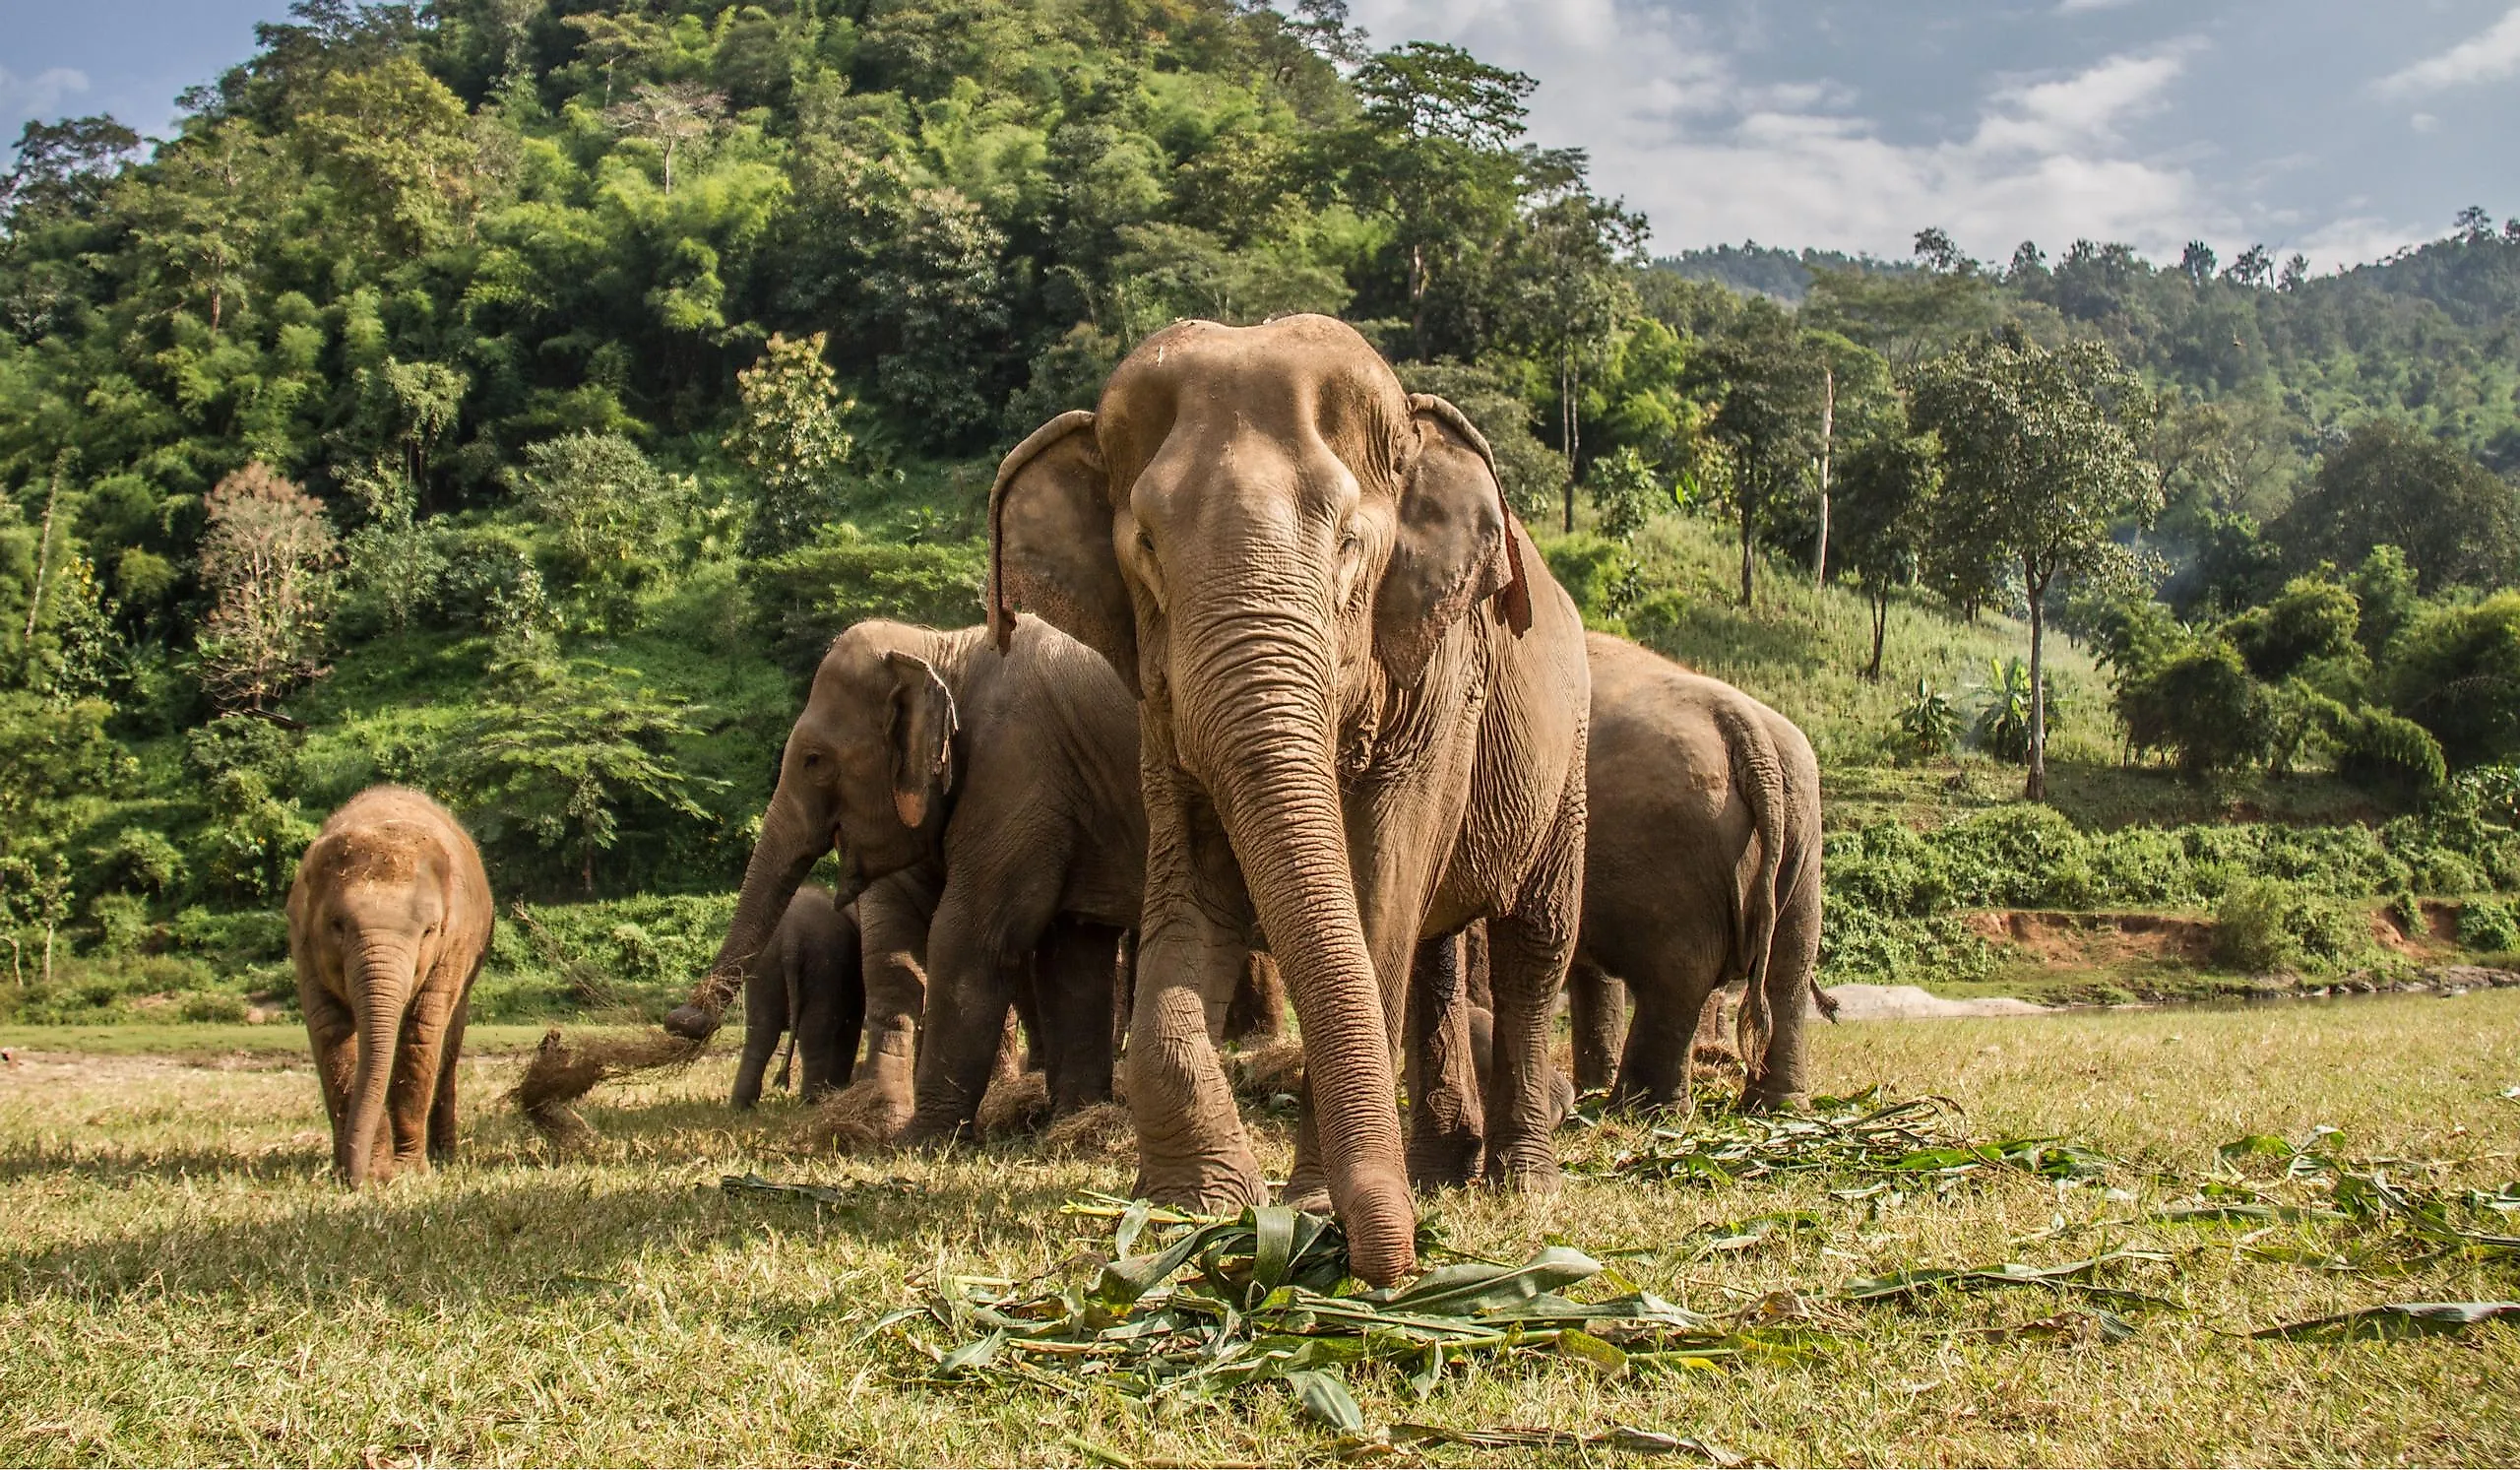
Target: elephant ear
[[1455, 544], [923, 727], [1049, 545]]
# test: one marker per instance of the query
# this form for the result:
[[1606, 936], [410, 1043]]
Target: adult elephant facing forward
[[1361, 715]]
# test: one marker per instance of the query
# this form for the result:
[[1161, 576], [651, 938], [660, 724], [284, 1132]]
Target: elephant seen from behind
[[388, 918]]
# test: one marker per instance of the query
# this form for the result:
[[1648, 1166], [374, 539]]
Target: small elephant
[[1361, 705], [808, 985], [986, 811], [388, 922], [1702, 866]]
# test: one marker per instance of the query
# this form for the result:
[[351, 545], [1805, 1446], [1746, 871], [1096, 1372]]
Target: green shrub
[[2487, 923], [139, 860], [1598, 574], [2457, 673], [122, 922], [2003, 727], [2264, 924], [212, 1007], [1929, 723], [241, 742], [2382, 751], [2408, 911], [804, 597]]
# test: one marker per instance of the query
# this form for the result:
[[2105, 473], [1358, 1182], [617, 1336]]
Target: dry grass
[[183, 1285]]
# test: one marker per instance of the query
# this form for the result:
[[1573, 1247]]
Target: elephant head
[[372, 903], [866, 771], [1269, 538]]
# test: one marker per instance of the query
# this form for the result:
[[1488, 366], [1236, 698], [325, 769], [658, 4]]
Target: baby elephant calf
[[388, 921], [808, 982]]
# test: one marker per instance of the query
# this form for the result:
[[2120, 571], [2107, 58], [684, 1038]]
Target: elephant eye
[[1146, 541], [813, 758]]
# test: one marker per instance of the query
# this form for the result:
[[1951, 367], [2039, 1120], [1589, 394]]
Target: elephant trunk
[[1256, 714], [788, 849], [381, 975]]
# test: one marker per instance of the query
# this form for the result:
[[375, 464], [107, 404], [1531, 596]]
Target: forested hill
[[512, 397]]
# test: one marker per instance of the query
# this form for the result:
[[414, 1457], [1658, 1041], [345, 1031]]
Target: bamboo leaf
[[1327, 1400], [1460, 1290], [2396, 1320]]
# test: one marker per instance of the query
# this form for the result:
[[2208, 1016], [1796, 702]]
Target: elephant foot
[[934, 1134], [1761, 1098], [861, 1118], [1531, 1170], [1444, 1157], [691, 1023], [1215, 1187]]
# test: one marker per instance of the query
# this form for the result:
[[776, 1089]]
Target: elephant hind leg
[[1793, 958], [1075, 972], [1596, 1012]]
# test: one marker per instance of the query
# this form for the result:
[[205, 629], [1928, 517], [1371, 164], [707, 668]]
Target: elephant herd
[[1268, 665]]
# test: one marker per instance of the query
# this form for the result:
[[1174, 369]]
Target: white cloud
[[38, 95], [2078, 7], [2424, 122], [2489, 56]]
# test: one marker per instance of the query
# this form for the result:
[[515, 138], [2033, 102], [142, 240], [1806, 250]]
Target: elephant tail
[[1760, 776]]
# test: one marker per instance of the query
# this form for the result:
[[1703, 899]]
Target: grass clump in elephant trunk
[[562, 1073]]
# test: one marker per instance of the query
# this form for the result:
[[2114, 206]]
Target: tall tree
[[2389, 483], [1767, 382], [1884, 491], [1572, 270], [2039, 468]]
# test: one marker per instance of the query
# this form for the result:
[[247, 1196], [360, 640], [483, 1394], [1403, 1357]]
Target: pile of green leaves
[[1265, 1298], [1917, 1141]]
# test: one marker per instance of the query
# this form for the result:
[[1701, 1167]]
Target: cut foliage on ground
[[185, 1284]]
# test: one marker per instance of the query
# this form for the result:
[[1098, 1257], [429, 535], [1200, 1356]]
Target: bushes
[[2264, 924], [804, 597], [2487, 923], [2457, 673], [2380, 751]]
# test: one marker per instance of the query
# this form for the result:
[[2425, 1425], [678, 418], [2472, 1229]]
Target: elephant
[[983, 807], [809, 984], [1361, 718], [1702, 866], [388, 918]]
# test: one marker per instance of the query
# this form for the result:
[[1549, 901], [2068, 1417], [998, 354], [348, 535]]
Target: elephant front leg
[[1446, 1123], [1192, 1150], [765, 1022], [334, 1035], [442, 1108], [978, 949], [418, 1059], [875, 1108], [1529, 951]]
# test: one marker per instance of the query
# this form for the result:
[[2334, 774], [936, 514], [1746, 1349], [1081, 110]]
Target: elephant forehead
[[1287, 382]]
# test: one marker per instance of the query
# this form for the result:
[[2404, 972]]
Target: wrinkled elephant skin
[[1361, 722]]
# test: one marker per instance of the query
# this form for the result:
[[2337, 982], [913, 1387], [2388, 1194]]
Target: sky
[[2339, 128]]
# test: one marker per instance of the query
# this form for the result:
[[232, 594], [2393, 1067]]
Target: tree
[[2389, 483], [609, 510], [2456, 671], [790, 433], [266, 558], [1768, 384], [1884, 489], [1429, 154], [1571, 270], [2038, 467], [201, 216], [563, 760], [668, 116], [63, 167]]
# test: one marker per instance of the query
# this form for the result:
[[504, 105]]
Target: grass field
[[183, 1285]]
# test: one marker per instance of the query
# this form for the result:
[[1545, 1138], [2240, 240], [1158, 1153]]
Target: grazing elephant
[[388, 921], [995, 799], [1702, 866], [1362, 725], [808, 983]]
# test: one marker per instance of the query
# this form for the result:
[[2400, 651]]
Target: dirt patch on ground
[[2437, 935], [2096, 939]]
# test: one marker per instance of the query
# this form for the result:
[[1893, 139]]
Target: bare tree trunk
[[43, 550], [1745, 542], [2036, 788], [47, 953], [1418, 301], [1880, 623], [1566, 442], [1828, 425]]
